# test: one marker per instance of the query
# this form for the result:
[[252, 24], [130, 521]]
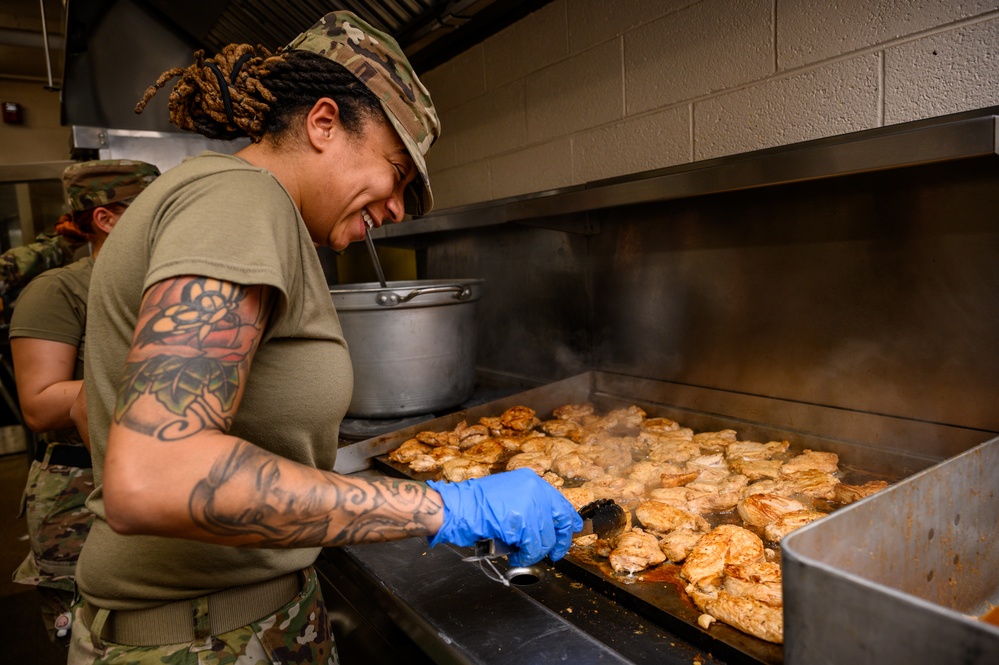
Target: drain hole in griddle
[[524, 576]]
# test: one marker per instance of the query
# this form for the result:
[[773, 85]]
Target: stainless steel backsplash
[[875, 292]]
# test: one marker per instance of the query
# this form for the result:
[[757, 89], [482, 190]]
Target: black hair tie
[[224, 87], [239, 65]]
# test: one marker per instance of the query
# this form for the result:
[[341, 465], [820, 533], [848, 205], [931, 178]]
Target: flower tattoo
[[192, 344], [206, 308]]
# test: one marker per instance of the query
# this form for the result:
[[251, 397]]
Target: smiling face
[[359, 181]]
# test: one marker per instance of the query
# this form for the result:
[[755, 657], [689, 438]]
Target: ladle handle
[[374, 259]]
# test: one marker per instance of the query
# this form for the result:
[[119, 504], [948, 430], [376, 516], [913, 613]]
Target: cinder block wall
[[583, 90]]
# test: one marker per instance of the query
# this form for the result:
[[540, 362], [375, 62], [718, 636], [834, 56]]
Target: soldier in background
[[19, 265], [47, 343]]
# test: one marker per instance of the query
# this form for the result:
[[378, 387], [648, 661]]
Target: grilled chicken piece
[[725, 544], [497, 428], [764, 486], [659, 518], [434, 459], [557, 445], [704, 503], [748, 615], [728, 483], [460, 468], [681, 434], [658, 425], [438, 438], [578, 496], [486, 452], [512, 444], [650, 473], [553, 479], [614, 487], [708, 479], [604, 546], [850, 493], [573, 411], [695, 501], [423, 464], [634, 551], [562, 428], [675, 451], [751, 450], [785, 524], [710, 468], [628, 418], [469, 435], [677, 545], [533, 444], [811, 460], [674, 496], [810, 482], [409, 451], [756, 469], [576, 465], [712, 442], [593, 436], [539, 463], [519, 418], [760, 581], [713, 461], [762, 509], [672, 480], [613, 454]]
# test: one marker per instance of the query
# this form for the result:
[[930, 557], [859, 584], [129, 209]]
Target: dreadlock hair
[[78, 227], [248, 91]]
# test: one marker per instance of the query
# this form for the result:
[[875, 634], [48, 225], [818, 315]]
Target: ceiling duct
[[429, 31], [115, 49]]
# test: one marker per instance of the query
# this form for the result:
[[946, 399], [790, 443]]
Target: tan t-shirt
[[217, 216], [53, 307]]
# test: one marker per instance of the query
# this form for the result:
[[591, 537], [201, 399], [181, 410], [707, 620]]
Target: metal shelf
[[947, 138]]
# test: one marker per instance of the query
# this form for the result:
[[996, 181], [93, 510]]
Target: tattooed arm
[[172, 469]]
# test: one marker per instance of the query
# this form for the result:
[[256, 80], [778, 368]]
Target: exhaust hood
[[115, 49]]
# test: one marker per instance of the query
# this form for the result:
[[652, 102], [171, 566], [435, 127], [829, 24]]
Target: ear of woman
[[104, 219], [322, 121]]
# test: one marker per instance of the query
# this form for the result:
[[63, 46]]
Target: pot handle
[[460, 291]]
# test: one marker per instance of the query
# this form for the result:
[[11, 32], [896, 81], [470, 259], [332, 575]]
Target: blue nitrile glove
[[516, 507]]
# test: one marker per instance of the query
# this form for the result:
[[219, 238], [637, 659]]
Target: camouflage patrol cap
[[378, 61], [103, 181]]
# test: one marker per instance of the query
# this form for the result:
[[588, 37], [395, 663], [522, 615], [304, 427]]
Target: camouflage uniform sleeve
[[19, 265]]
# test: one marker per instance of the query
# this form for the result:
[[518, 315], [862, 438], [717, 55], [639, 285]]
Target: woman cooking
[[217, 373]]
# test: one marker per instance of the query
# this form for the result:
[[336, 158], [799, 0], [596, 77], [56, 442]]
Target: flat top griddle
[[657, 594]]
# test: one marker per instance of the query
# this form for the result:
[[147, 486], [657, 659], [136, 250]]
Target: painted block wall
[[41, 138], [583, 90]]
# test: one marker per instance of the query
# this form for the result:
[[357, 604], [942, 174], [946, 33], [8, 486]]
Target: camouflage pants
[[58, 523], [57, 519], [298, 633]]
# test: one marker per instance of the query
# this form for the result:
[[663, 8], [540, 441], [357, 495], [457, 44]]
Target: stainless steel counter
[[405, 600]]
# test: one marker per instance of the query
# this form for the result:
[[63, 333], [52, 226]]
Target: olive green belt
[[194, 619]]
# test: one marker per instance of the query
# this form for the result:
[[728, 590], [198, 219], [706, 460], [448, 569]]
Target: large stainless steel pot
[[412, 344]]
